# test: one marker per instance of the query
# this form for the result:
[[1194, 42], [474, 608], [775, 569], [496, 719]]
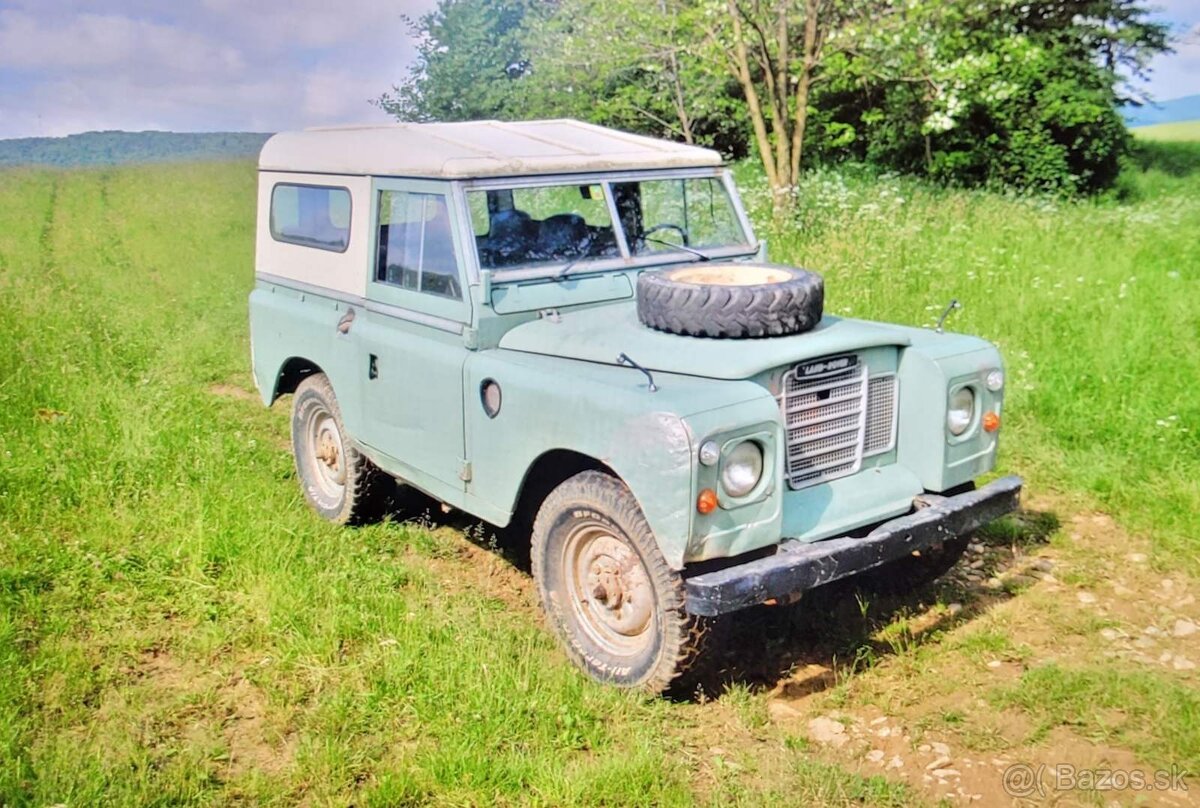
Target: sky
[[198, 65], [259, 65]]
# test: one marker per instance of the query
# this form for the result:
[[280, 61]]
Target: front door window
[[416, 244]]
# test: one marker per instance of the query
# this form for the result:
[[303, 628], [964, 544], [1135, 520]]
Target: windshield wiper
[[567, 267], [674, 246]]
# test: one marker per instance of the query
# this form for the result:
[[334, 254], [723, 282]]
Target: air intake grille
[[834, 418], [881, 416]]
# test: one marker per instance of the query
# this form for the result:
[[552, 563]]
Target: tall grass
[[177, 627]]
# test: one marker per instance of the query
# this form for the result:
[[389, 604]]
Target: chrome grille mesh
[[880, 433], [825, 415], [834, 419]]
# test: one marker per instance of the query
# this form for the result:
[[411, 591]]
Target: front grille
[[833, 420], [881, 415]]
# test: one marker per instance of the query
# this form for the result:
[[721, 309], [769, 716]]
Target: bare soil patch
[[898, 687], [225, 390]]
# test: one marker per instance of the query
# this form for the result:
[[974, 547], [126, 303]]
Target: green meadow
[[1182, 131], [177, 627]]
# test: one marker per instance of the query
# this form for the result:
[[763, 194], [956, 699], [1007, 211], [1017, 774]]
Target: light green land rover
[[573, 329]]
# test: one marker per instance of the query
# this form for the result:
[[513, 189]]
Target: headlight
[[995, 381], [743, 468], [962, 410]]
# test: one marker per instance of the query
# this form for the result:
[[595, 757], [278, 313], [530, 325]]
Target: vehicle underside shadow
[[835, 630], [852, 624], [407, 504]]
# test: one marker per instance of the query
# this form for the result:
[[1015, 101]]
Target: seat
[[510, 237], [563, 236]]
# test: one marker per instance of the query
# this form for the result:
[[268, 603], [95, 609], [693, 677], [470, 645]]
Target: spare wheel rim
[[726, 275]]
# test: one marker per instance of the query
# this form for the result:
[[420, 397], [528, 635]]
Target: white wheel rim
[[609, 590], [325, 452]]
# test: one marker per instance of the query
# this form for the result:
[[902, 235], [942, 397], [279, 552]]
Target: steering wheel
[[668, 226]]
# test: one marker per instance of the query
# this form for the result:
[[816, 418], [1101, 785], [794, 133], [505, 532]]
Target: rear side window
[[311, 216]]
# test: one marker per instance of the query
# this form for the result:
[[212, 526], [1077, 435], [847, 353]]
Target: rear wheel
[[339, 482], [608, 594]]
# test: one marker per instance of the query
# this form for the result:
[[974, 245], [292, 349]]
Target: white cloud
[[90, 41], [197, 64]]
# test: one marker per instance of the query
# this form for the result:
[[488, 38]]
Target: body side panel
[[287, 323]]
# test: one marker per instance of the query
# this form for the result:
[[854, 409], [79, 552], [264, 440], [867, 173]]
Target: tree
[[1003, 92], [779, 51], [636, 65], [1009, 93], [471, 62]]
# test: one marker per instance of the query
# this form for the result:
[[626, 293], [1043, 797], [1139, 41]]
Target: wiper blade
[[674, 246]]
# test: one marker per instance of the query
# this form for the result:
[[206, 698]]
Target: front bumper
[[797, 566]]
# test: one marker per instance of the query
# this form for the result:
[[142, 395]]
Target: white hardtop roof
[[475, 149]]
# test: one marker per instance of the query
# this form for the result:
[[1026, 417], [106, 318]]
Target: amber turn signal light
[[707, 501], [991, 422]]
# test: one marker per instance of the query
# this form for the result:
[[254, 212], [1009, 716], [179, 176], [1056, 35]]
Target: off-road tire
[[731, 301], [674, 641], [363, 489]]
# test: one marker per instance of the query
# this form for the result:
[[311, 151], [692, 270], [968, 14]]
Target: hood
[[599, 334]]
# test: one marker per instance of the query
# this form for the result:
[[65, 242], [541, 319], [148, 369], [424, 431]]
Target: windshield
[[571, 224], [520, 227], [660, 215]]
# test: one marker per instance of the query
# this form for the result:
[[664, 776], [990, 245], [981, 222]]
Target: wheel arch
[[294, 370], [547, 471]]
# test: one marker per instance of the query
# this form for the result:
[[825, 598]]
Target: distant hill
[[113, 148], [1173, 111]]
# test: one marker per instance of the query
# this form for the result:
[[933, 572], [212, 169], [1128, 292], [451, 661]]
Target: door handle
[[372, 366], [347, 320]]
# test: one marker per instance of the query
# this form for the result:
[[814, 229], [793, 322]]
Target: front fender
[[602, 411]]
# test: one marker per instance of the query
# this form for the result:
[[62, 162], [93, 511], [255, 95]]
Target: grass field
[[176, 627], [1183, 131]]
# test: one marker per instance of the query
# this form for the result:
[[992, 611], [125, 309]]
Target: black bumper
[[798, 566]]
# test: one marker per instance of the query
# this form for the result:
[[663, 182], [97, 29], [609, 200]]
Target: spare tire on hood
[[731, 301]]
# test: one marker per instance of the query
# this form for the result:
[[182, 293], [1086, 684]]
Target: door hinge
[[464, 470]]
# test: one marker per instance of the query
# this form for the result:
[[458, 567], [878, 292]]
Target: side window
[[311, 216], [416, 244]]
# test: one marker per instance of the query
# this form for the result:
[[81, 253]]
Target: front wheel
[[608, 594]]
